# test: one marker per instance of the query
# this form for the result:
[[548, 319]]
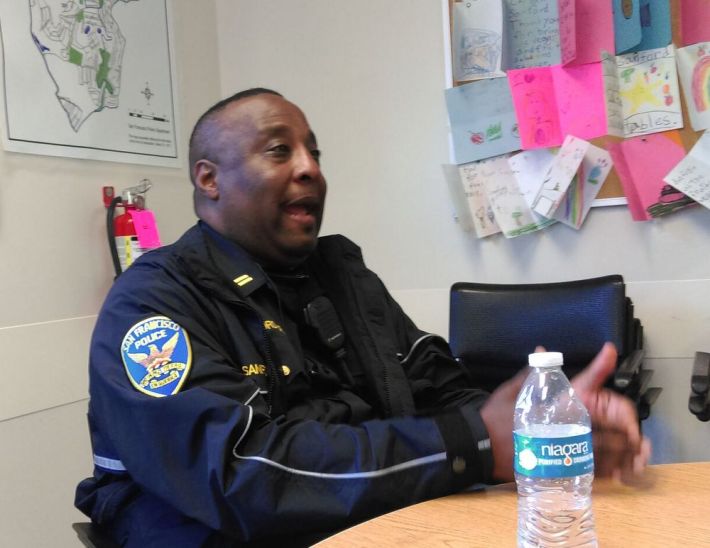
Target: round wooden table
[[669, 506]]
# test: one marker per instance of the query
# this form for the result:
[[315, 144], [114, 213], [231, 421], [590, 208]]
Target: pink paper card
[[642, 163], [535, 107], [579, 90], [568, 30], [552, 102], [146, 228], [595, 30], [694, 21]]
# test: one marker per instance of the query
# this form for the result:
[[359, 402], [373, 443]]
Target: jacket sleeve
[[213, 452]]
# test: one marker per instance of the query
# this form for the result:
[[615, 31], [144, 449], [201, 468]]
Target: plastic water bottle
[[554, 463]]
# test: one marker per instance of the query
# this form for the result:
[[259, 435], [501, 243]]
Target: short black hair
[[198, 137]]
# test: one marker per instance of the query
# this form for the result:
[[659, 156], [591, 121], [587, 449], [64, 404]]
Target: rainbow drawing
[[701, 84]]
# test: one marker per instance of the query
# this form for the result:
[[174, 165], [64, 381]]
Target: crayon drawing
[[648, 86], [478, 40], [694, 69]]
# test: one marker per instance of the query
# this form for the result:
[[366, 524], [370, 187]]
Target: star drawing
[[641, 93]]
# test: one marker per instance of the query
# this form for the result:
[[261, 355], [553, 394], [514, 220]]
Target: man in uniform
[[253, 384]]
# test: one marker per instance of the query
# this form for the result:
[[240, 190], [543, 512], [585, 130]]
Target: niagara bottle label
[[553, 457]]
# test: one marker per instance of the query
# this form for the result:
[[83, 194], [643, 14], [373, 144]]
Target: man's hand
[[619, 448]]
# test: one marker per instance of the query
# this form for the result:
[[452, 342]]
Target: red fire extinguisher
[[134, 231]]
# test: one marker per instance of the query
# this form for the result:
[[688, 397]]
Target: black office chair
[[493, 328], [699, 400], [91, 536]]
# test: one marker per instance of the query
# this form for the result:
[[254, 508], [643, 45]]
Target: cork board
[[612, 187]]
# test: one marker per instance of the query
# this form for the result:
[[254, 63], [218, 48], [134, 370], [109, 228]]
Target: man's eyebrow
[[283, 129]]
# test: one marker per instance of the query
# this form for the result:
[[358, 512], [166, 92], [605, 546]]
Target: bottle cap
[[545, 359]]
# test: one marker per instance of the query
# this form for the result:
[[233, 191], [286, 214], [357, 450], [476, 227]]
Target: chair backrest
[[493, 327]]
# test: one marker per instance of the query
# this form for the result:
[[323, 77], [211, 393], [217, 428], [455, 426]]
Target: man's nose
[[307, 167]]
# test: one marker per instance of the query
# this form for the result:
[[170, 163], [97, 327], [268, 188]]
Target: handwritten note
[[477, 39], [694, 72], [568, 31], [480, 208], [510, 210], [533, 33], [692, 175], [559, 176], [482, 119], [614, 106]]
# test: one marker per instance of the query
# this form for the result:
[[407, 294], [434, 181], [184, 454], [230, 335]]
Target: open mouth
[[306, 209]]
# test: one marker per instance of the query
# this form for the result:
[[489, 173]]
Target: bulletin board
[[612, 192]]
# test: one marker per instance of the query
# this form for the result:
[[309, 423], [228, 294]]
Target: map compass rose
[[147, 92]]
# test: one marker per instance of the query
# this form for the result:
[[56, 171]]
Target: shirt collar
[[244, 273]]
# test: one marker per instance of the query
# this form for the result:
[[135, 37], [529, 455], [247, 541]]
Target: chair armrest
[[700, 380], [699, 400], [627, 369]]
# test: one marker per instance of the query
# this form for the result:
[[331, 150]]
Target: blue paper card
[[482, 119], [627, 24], [655, 19]]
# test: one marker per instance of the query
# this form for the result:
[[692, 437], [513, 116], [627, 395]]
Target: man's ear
[[205, 176]]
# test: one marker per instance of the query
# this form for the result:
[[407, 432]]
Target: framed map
[[89, 79]]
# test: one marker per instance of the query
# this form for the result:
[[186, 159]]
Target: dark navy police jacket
[[210, 427]]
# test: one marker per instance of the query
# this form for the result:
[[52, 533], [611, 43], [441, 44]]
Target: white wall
[[55, 269], [370, 77]]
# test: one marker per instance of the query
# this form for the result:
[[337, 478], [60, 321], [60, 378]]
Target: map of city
[[82, 47], [93, 79]]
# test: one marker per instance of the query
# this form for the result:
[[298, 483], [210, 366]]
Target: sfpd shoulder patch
[[157, 355]]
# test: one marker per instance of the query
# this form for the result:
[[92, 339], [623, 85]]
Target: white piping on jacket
[[421, 461]]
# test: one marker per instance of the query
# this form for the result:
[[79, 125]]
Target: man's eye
[[279, 149], [316, 154]]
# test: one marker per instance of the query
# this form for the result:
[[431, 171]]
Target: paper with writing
[[484, 221], [510, 210], [692, 174], [568, 31], [458, 198], [532, 34], [648, 87], [614, 109]]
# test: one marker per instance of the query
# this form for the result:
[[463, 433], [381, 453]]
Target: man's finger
[[593, 377], [512, 386]]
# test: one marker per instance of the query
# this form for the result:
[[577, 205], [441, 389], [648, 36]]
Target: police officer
[[253, 384]]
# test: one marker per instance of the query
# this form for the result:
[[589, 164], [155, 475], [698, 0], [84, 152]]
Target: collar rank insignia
[[157, 356]]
